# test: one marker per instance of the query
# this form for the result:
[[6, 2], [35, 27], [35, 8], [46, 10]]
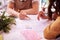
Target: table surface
[[21, 25]]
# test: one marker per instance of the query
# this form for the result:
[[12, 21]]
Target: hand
[[38, 17], [42, 15], [23, 16]]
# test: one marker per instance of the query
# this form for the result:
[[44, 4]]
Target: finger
[[38, 17]]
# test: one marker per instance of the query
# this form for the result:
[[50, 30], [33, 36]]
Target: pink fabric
[[30, 35]]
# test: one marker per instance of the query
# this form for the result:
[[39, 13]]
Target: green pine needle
[[4, 23]]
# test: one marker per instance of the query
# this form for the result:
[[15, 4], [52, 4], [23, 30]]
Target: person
[[52, 31], [23, 13]]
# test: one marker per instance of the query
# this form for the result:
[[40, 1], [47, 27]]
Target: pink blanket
[[30, 35]]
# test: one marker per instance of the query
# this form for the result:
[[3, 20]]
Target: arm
[[21, 15], [53, 30], [10, 9], [34, 9]]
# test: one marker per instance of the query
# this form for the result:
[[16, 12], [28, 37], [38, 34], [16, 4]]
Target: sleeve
[[40, 9], [52, 30], [10, 4], [11, 1]]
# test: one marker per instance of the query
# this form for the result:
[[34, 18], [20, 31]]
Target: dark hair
[[56, 6]]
